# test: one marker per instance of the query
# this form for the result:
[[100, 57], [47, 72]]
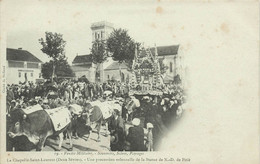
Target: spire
[[135, 51], [135, 57], [155, 51]]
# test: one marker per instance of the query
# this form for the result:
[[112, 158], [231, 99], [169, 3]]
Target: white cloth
[[32, 109], [105, 108], [60, 117], [75, 109]]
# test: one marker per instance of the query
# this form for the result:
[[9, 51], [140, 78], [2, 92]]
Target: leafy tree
[[99, 55], [62, 69], [53, 45], [122, 47]]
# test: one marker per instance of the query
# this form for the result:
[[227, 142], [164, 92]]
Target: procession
[[134, 123], [118, 98]]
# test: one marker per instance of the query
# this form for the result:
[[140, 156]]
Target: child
[[149, 143]]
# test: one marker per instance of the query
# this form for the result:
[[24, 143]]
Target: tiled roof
[[166, 50], [21, 55], [82, 59], [115, 66]]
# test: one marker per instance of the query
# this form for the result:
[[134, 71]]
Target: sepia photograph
[[108, 81], [112, 92]]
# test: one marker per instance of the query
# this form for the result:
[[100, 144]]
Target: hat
[[149, 125], [146, 97], [45, 101], [136, 121]]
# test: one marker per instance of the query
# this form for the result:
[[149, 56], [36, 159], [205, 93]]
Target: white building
[[22, 66], [101, 30], [83, 65], [112, 72], [172, 58]]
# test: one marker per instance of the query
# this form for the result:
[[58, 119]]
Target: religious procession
[[127, 116]]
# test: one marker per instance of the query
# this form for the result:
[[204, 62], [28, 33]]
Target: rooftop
[[166, 50], [21, 55], [82, 59], [101, 24], [80, 68]]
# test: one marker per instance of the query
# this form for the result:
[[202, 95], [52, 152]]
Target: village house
[[22, 66]]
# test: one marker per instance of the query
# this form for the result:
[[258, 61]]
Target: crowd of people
[[67, 91], [154, 113]]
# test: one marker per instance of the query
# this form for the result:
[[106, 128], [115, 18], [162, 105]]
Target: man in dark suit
[[136, 136], [116, 128]]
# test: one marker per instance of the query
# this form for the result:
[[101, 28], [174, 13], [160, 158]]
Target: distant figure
[[149, 143], [136, 136], [116, 128]]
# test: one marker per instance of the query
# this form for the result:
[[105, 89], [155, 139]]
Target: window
[[108, 77], [31, 74], [170, 66], [19, 74]]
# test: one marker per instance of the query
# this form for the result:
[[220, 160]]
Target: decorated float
[[146, 76]]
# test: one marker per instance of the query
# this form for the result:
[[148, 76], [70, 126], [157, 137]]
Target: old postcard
[[155, 81]]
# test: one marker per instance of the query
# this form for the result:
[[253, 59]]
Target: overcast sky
[[149, 22]]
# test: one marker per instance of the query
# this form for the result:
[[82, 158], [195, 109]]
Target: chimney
[[20, 48]]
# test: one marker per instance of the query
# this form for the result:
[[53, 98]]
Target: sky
[[149, 22], [219, 42]]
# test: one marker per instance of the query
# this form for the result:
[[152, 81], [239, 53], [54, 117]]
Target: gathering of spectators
[[67, 91], [155, 114]]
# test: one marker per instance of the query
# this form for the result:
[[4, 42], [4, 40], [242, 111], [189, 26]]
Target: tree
[[122, 47], [99, 55], [62, 69], [53, 46]]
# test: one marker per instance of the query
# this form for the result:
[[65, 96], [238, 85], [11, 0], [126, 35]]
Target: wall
[[12, 75], [177, 65], [89, 73], [115, 74]]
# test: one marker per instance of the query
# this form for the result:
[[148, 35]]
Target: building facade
[[22, 66], [83, 65], [101, 30], [172, 58], [112, 72]]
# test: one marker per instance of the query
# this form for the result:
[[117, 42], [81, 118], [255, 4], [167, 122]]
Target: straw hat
[[146, 97], [45, 101], [149, 125], [136, 121]]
